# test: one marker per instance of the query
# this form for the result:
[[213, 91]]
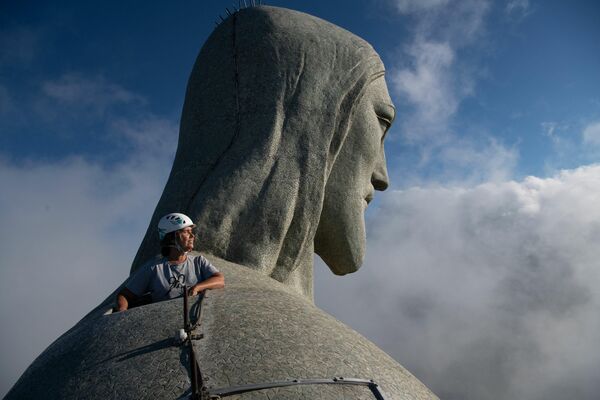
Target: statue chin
[[341, 258], [341, 267], [340, 240]]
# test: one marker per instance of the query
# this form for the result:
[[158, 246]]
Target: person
[[166, 278]]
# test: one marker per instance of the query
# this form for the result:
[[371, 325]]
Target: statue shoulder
[[257, 331]]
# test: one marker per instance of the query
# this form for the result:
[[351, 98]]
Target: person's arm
[[137, 283], [123, 299], [216, 281]]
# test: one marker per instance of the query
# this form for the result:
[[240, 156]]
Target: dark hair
[[167, 243]]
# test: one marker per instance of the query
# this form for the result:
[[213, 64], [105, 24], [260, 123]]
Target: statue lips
[[369, 197]]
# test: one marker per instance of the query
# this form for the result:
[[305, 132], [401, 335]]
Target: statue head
[[280, 145]]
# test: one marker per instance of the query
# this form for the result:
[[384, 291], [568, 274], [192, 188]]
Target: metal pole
[[186, 325], [187, 328], [193, 368]]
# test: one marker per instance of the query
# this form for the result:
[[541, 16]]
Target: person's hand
[[196, 290]]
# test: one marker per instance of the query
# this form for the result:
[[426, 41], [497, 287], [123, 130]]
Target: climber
[[164, 278]]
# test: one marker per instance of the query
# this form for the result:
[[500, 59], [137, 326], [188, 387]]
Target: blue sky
[[494, 148], [521, 73]]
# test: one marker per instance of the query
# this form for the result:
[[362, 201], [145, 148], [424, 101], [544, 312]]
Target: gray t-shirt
[[165, 281]]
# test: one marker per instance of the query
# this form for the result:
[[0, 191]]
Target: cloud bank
[[71, 227], [484, 292], [93, 93]]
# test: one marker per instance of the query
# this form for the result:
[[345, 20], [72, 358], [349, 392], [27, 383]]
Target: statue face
[[359, 170]]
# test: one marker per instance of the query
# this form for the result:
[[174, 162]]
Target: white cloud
[[518, 8], [591, 134], [460, 23], [71, 227], [411, 6], [69, 232], [430, 75], [431, 78], [487, 291], [428, 85], [93, 94], [151, 133], [453, 159], [569, 145], [549, 128], [488, 162]]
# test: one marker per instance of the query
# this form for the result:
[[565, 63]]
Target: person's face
[[358, 171], [186, 238]]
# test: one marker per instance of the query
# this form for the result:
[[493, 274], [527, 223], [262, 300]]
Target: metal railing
[[233, 390], [200, 392]]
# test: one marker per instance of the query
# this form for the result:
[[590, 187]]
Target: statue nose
[[380, 182], [380, 179]]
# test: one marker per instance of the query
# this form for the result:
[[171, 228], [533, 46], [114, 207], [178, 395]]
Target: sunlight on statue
[[281, 146]]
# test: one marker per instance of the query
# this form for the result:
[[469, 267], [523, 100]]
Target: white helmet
[[173, 222]]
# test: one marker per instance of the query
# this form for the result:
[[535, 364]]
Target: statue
[[280, 151], [262, 165]]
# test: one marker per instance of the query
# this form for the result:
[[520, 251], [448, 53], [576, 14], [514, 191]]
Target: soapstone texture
[[128, 355], [273, 334], [269, 105], [256, 330]]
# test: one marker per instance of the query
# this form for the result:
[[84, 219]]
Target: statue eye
[[385, 114], [384, 122]]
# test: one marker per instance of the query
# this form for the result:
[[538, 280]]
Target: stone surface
[[256, 330], [273, 334], [126, 355], [277, 103]]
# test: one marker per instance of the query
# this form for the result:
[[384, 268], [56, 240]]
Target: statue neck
[[297, 274], [300, 279]]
